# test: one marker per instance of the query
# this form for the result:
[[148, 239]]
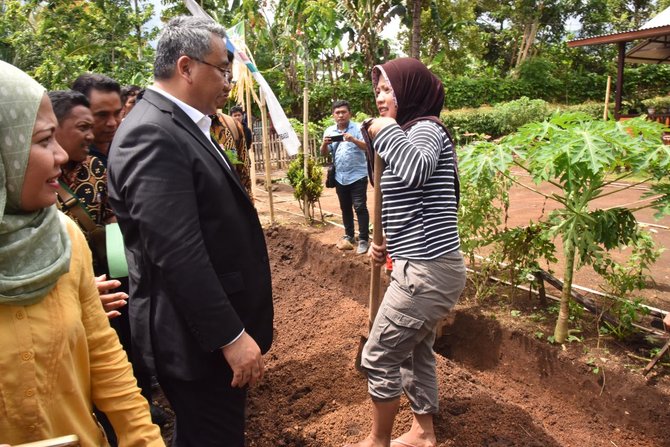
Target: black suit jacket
[[198, 264]]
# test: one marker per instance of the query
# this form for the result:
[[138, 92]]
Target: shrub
[[507, 117], [514, 114], [312, 186], [590, 108], [495, 121]]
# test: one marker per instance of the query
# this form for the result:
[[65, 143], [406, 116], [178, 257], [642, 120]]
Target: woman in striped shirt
[[419, 216]]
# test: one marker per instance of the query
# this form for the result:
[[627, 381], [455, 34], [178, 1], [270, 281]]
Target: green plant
[[309, 188], [232, 156], [511, 115], [628, 313], [495, 121], [657, 102], [522, 249], [576, 154], [591, 363], [484, 200]]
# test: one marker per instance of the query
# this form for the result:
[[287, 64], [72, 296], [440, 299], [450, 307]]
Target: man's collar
[[193, 113], [337, 126]]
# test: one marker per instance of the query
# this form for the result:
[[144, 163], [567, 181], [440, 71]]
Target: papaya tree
[[585, 160]]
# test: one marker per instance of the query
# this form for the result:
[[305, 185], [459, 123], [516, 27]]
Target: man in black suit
[[201, 299]]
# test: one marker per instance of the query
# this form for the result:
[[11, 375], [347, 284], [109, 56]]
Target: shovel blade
[[359, 356]]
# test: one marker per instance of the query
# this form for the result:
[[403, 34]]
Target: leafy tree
[[451, 42], [57, 40], [366, 20]]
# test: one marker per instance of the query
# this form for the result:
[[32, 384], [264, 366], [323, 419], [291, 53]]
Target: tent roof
[[654, 49]]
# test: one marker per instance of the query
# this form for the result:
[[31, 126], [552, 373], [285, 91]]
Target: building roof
[[654, 49]]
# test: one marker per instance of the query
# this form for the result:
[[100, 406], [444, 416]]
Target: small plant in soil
[[310, 187]]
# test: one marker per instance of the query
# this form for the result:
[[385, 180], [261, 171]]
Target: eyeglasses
[[226, 72]]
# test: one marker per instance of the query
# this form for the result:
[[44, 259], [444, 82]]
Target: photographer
[[345, 142]]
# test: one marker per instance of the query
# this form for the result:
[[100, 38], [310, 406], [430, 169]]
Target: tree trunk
[[414, 50], [561, 330], [526, 32], [529, 39], [138, 31]]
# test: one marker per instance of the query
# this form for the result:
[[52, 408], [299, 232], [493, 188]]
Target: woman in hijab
[[419, 217], [58, 354]]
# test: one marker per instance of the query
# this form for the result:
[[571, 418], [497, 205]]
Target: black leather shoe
[[158, 415]]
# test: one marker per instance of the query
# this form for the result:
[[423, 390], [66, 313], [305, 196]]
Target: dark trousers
[[354, 198], [208, 413]]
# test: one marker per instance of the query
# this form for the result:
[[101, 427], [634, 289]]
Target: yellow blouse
[[59, 357]]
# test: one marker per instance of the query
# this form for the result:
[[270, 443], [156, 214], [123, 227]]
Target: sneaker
[[346, 243], [362, 247]]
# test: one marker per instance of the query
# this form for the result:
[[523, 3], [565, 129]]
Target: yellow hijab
[[34, 247]]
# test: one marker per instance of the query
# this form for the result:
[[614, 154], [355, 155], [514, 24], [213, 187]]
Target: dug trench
[[499, 385]]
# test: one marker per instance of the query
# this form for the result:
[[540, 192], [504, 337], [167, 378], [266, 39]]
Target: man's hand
[[245, 359], [110, 301], [324, 145], [378, 252], [352, 139]]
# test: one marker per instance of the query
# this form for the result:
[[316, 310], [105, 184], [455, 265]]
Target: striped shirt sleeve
[[419, 208]]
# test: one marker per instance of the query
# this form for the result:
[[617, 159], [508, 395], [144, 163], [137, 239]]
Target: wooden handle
[[656, 358], [377, 238]]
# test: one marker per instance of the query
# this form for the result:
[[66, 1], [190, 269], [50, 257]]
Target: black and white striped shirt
[[419, 210]]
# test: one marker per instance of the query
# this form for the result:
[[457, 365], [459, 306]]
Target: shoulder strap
[[232, 126], [71, 203]]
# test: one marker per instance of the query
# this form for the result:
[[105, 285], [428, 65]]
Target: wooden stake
[[250, 123], [607, 97], [377, 238], [305, 145], [266, 157], [655, 360]]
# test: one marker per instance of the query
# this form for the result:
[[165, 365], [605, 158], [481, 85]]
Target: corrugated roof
[[656, 27], [662, 19]]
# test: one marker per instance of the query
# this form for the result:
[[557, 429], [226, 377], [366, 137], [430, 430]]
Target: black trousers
[[208, 413], [352, 198], [121, 325]]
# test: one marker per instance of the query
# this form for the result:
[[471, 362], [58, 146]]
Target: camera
[[336, 138]]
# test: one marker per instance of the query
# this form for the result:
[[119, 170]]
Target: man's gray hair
[[184, 36]]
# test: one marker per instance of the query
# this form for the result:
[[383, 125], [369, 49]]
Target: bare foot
[[412, 440], [368, 442]]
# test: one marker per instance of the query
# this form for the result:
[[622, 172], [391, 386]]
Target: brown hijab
[[418, 92], [419, 95]]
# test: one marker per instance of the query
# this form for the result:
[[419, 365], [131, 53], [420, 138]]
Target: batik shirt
[[222, 135], [88, 181]]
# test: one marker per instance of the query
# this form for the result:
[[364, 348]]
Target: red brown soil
[[499, 384]]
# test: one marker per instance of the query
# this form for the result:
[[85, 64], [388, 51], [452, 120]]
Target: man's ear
[[184, 68]]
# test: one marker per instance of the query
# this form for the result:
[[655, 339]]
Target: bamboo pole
[[305, 145], [250, 124], [266, 157], [607, 97], [618, 98], [377, 237]]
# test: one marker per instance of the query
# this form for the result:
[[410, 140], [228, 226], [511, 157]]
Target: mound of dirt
[[499, 385]]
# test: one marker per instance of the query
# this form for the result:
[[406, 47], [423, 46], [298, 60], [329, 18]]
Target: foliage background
[[486, 52]]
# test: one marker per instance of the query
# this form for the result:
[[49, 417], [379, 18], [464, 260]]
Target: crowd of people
[[81, 349]]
